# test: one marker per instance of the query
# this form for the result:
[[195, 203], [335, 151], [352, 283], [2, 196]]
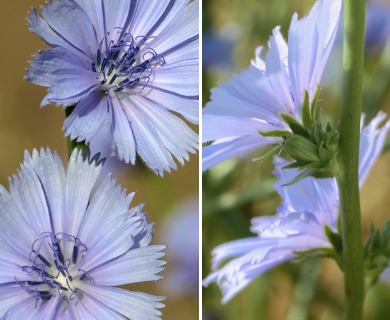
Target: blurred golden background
[[24, 126]]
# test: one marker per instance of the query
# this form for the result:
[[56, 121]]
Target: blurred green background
[[24, 126], [238, 189]]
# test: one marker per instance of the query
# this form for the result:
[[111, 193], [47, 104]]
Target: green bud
[[302, 149]]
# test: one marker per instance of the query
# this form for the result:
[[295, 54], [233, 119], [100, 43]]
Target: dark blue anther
[[124, 82], [34, 283], [133, 83], [113, 79], [45, 297], [75, 253], [104, 64], [142, 67], [116, 54], [60, 256], [112, 66], [131, 61], [47, 263], [99, 57]]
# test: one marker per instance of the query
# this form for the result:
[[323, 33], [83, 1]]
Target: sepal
[[377, 253]]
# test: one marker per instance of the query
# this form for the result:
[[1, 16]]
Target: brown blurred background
[[239, 189], [24, 126]]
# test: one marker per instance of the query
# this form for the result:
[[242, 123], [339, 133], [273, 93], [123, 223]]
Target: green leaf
[[294, 125], [267, 154], [304, 174], [302, 149], [306, 115], [335, 239], [325, 155], [294, 165], [315, 110], [275, 133]]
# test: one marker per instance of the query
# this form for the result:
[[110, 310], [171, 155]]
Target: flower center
[[126, 64], [53, 274]]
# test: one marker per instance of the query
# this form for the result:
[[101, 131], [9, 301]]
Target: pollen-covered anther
[[126, 64]]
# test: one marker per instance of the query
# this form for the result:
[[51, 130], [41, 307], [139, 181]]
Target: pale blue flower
[[131, 65], [252, 101], [181, 236], [63, 246], [377, 25], [307, 207]]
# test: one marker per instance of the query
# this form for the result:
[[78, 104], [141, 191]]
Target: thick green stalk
[[348, 179]]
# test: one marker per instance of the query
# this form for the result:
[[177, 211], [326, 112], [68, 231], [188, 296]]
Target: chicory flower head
[[299, 225], [131, 65], [64, 247], [251, 102]]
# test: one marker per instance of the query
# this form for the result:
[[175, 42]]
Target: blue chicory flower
[[131, 65], [64, 246], [252, 101], [181, 236], [307, 207]]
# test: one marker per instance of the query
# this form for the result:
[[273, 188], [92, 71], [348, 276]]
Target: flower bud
[[302, 149]]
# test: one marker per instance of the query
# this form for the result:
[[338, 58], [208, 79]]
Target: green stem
[[348, 178]]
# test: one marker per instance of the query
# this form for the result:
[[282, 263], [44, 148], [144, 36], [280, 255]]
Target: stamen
[[75, 254], [126, 64], [47, 263], [52, 276]]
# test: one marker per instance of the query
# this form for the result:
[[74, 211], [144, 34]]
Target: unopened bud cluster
[[312, 146]]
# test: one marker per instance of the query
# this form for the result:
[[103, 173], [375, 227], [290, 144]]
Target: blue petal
[[136, 265], [42, 29], [159, 14], [30, 199], [113, 241], [188, 107], [277, 71], [11, 297], [372, 139], [70, 85], [122, 133], [42, 70], [224, 149], [81, 177], [109, 200], [310, 42], [87, 118], [149, 146], [10, 268], [12, 224], [94, 11], [181, 79], [169, 40], [219, 127], [98, 310], [67, 19], [318, 196], [134, 305], [256, 255], [179, 144], [51, 173]]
